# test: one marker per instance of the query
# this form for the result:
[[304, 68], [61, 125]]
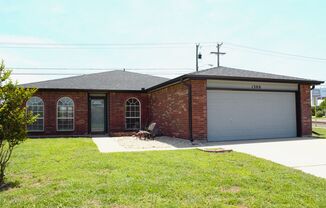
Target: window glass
[[65, 114], [133, 114], [36, 106]]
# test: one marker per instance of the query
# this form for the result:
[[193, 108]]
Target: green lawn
[[321, 132], [72, 173]]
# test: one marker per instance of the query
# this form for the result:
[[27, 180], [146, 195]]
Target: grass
[[72, 173], [321, 132]]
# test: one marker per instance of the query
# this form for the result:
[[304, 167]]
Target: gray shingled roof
[[226, 73], [123, 80], [241, 73], [110, 80]]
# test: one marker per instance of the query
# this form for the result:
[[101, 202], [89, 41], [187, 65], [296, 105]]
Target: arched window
[[36, 106], [65, 114], [133, 114]]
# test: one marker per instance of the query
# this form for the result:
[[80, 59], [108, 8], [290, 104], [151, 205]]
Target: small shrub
[[320, 114], [312, 110], [13, 117], [318, 108]]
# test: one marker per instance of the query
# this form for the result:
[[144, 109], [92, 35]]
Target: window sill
[[65, 130]]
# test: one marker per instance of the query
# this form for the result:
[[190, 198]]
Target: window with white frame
[[65, 114], [133, 114], [36, 106]]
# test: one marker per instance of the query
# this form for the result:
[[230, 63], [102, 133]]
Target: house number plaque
[[255, 87]]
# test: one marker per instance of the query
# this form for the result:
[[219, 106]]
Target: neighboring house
[[318, 96], [215, 104]]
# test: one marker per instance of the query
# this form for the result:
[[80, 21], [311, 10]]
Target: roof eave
[[312, 82], [86, 90]]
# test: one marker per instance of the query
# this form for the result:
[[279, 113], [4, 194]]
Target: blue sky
[[296, 27]]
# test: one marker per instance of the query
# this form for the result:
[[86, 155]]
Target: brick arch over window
[[36, 106], [65, 114], [132, 114]]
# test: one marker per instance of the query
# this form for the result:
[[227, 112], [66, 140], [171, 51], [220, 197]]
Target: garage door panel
[[236, 115]]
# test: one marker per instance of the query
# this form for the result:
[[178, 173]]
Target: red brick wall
[[169, 109], [199, 109], [116, 101], [50, 99], [305, 106]]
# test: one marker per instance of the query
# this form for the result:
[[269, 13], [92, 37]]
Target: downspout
[[189, 107]]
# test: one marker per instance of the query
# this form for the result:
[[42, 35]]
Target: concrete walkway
[[132, 144], [108, 144]]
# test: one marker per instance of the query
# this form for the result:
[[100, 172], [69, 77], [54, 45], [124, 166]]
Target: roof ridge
[[91, 74], [142, 74], [202, 70], [253, 71], [230, 72], [107, 80], [66, 77]]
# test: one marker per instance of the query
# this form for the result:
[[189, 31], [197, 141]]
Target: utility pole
[[218, 53], [197, 56]]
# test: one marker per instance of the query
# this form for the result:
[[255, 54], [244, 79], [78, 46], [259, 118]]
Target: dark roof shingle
[[227, 73], [233, 73], [110, 80], [123, 80]]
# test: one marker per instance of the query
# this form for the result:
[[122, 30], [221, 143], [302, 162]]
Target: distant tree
[[323, 104], [13, 117]]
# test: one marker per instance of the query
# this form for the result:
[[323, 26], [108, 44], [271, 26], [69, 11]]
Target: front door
[[97, 115]]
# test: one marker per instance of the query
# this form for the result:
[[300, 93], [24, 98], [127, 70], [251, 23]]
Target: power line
[[97, 69], [99, 47], [107, 44], [73, 74], [97, 44], [47, 74], [162, 45], [274, 55], [22, 45], [163, 71], [276, 52]]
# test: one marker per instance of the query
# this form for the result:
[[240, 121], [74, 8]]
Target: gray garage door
[[240, 115]]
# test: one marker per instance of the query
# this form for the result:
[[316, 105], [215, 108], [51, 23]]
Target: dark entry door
[[98, 115]]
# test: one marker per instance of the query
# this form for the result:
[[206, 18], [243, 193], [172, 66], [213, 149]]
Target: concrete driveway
[[306, 154]]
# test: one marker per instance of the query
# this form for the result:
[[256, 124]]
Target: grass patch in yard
[[72, 173], [321, 132]]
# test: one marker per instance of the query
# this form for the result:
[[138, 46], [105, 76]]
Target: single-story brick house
[[216, 104]]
